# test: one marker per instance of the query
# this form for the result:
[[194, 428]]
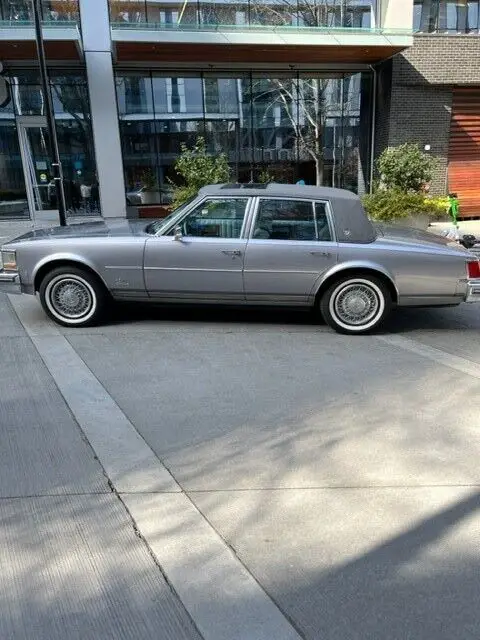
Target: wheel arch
[[356, 269], [53, 262]]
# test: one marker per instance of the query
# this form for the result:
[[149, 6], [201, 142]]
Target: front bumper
[[10, 282], [473, 291]]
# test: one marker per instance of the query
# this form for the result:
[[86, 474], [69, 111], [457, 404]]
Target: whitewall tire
[[356, 304], [73, 297]]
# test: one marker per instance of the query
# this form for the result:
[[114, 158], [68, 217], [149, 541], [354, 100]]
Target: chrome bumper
[[473, 291], [10, 282]]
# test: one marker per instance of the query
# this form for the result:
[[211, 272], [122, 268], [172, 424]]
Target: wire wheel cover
[[71, 298], [356, 304]]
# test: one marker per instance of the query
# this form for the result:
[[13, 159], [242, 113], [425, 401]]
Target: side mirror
[[177, 233]]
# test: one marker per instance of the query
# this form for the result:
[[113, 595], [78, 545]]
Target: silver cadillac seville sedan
[[244, 244]]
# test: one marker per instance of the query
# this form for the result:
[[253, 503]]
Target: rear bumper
[[10, 282], [473, 291]]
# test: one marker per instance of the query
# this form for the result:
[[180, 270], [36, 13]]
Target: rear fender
[[351, 266]]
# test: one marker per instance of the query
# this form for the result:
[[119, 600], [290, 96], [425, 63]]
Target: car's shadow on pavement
[[124, 313], [461, 318], [464, 317]]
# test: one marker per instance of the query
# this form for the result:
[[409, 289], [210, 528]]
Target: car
[[134, 196], [245, 244], [139, 195]]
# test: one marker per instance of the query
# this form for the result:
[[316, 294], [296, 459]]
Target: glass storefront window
[[13, 195], [283, 128], [72, 115]]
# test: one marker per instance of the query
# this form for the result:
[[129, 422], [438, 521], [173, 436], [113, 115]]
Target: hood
[[103, 228]]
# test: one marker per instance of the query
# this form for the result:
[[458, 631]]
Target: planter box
[[419, 221], [150, 197], [153, 211]]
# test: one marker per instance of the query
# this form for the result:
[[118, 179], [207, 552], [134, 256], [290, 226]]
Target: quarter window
[[291, 220], [216, 218]]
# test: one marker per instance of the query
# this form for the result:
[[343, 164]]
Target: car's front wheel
[[356, 304], [73, 297]]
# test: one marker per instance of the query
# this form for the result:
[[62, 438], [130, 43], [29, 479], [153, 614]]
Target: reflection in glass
[[283, 128], [283, 13], [446, 16], [72, 115], [52, 10], [13, 195]]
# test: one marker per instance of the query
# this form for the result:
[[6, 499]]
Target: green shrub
[[393, 204], [198, 168], [405, 167]]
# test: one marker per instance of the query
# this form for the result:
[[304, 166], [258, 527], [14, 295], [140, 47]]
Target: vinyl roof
[[278, 190]]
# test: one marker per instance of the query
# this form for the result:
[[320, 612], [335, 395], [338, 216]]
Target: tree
[[73, 97], [405, 167], [198, 168], [304, 105]]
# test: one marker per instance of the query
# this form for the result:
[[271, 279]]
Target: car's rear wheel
[[73, 297], [356, 304]]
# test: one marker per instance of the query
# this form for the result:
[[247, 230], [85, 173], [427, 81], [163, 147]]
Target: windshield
[[154, 227]]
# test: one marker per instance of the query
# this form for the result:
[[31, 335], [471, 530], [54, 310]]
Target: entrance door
[[34, 148]]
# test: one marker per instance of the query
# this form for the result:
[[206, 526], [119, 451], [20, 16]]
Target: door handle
[[323, 254], [233, 253]]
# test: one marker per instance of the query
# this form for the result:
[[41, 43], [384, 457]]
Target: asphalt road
[[239, 474]]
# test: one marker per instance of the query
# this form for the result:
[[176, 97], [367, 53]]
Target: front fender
[[353, 265], [64, 257]]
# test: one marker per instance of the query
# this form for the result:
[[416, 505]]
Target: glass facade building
[[284, 88], [284, 128], [25, 113], [201, 14], [52, 10], [446, 16]]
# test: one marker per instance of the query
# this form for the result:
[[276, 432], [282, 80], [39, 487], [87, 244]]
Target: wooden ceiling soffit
[[26, 50], [250, 54]]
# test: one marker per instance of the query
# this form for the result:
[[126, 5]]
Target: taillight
[[473, 268]]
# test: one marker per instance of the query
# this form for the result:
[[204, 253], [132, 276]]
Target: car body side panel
[[117, 261], [284, 271], [420, 274]]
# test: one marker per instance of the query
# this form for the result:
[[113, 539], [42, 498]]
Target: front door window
[[216, 218]]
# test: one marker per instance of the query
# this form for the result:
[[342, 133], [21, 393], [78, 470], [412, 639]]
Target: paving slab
[[42, 448], [360, 564], [454, 331], [72, 567], [10, 326], [270, 410], [218, 591]]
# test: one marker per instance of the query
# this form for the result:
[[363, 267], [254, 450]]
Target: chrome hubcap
[[71, 298], [356, 304]]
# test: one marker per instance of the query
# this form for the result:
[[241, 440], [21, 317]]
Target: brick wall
[[422, 114], [439, 59], [419, 109]]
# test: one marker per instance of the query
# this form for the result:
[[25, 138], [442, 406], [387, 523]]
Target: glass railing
[[446, 16], [198, 14], [20, 12]]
